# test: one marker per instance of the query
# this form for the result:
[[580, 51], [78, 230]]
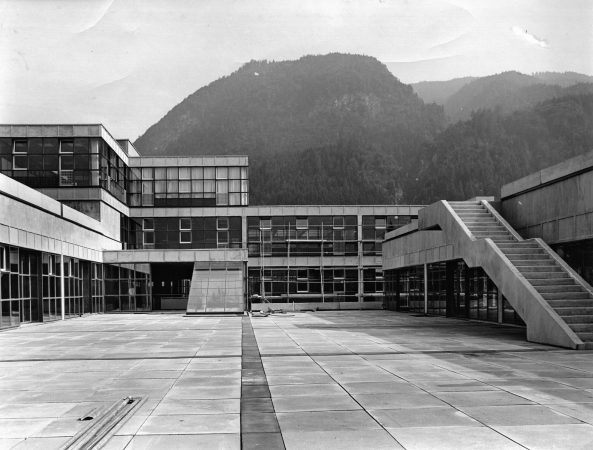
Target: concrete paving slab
[[195, 442], [315, 403], [390, 401], [517, 415], [326, 421], [545, 437], [191, 424], [338, 440], [193, 406], [420, 417], [452, 438]]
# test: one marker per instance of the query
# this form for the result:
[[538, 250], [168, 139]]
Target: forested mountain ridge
[[341, 129], [269, 107], [508, 90], [475, 157]]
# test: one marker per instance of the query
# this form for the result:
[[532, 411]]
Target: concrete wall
[[555, 204], [161, 256], [29, 219]]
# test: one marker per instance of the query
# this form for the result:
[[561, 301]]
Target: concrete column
[[425, 288], [63, 296], [500, 307]]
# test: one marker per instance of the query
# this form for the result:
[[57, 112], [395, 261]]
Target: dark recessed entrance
[[170, 285]]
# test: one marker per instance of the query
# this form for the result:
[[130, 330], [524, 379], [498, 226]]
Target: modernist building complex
[[87, 225]]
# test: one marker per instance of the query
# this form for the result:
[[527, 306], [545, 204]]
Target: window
[[222, 238], [185, 230], [20, 146], [222, 223], [2, 258], [184, 173], [148, 227], [19, 162], [302, 223], [338, 222], [265, 224], [66, 146], [302, 280], [380, 222]]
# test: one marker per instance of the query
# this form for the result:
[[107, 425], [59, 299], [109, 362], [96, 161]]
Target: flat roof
[[549, 175]]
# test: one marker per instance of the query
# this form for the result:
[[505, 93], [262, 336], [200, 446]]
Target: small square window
[[265, 224], [184, 173], [185, 224], [147, 173], [148, 224], [66, 146], [380, 222], [185, 237], [222, 238], [302, 223], [20, 146], [19, 162], [338, 222], [222, 223], [148, 237], [222, 173]]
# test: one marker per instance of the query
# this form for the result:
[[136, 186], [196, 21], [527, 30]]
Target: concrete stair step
[[581, 327], [519, 244], [487, 227], [565, 295], [559, 288], [535, 282], [578, 318], [534, 262], [531, 273], [509, 238], [523, 251], [527, 256], [585, 337], [574, 311], [492, 234], [556, 304]]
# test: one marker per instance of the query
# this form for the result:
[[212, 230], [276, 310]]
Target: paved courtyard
[[325, 380]]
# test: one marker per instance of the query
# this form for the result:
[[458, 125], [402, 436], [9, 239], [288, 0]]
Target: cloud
[[530, 37]]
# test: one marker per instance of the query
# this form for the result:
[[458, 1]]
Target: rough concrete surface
[[324, 380]]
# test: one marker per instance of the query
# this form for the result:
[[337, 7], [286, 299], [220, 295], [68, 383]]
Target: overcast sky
[[126, 63]]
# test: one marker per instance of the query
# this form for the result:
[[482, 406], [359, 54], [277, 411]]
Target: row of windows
[[189, 173], [453, 289]]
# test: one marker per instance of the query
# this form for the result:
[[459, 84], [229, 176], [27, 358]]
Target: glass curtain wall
[[191, 233], [19, 291], [374, 229], [64, 162], [189, 186], [304, 284], [127, 287], [302, 236], [453, 288]]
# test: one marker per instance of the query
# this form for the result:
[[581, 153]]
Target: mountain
[[440, 91], [475, 157], [313, 107], [509, 91], [282, 106], [563, 79]]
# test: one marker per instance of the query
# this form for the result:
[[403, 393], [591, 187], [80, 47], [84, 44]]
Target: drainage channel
[[259, 424], [103, 423]]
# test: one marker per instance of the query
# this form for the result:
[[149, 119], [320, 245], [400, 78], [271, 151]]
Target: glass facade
[[302, 236], [127, 287], [453, 289], [189, 186], [186, 232], [216, 287], [64, 162], [19, 286], [374, 229], [305, 284], [50, 162]]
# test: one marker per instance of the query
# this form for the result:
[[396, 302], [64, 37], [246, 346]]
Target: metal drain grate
[[103, 423]]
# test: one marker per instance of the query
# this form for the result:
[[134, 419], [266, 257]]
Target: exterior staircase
[[564, 291]]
